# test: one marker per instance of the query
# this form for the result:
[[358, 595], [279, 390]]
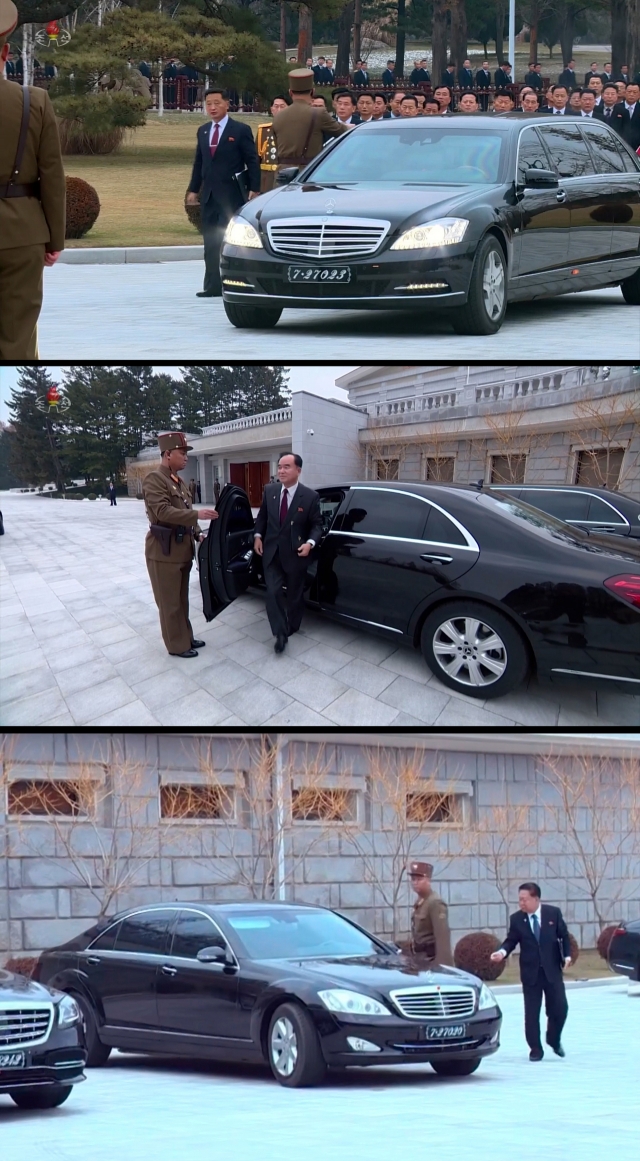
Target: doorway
[[252, 477]]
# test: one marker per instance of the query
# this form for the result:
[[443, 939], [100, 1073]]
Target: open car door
[[224, 557]]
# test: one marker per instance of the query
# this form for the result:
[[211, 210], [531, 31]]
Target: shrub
[[91, 496], [22, 965], [472, 954], [604, 939], [193, 214], [97, 122], [575, 950], [83, 207]]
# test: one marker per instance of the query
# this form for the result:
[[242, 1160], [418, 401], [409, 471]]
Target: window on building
[[48, 797], [508, 469], [439, 469], [146, 931], [386, 469], [317, 804], [433, 808], [196, 802], [600, 467]]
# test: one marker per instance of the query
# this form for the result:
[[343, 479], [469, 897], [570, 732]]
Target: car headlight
[[68, 1012], [443, 232], [241, 233], [486, 998], [342, 1000]]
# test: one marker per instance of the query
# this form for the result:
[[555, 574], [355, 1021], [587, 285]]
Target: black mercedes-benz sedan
[[624, 950], [488, 587], [471, 212], [593, 509], [42, 1052], [299, 987]]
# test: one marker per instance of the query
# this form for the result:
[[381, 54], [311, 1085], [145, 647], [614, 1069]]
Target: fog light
[[359, 1045], [424, 286], [234, 282]]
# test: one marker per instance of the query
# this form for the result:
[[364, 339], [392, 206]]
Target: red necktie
[[284, 506], [213, 145]]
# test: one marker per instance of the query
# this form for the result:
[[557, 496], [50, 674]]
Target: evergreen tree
[[8, 478], [214, 394], [31, 455]]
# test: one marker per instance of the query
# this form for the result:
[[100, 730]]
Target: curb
[[506, 989], [119, 254]]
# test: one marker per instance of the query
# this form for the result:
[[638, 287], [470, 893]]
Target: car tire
[[455, 1067], [41, 1098], [252, 316], [97, 1052], [484, 310], [293, 1048], [631, 289], [455, 624]]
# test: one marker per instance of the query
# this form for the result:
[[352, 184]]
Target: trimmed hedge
[[472, 954], [22, 965], [193, 214], [604, 939], [83, 207]]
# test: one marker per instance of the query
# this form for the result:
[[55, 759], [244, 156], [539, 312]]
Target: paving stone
[[315, 690], [85, 676], [20, 662], [256, 701], [29, 681], [74, 658], [367, 678], [100, 699], [324, 658], [163, 688], [420, 701], [34, 710], [355, 707], [134, 713], [197, 709]]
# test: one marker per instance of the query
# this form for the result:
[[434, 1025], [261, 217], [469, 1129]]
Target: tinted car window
[[428, 155], [564, 505], [385, 514], [192, 933], [289, 933], [240, 517], [146, 932], [605, 152], [441, 529], [600, 510], [107, 941], [329, 504], [568, 150], [531, 154], [627, 160]]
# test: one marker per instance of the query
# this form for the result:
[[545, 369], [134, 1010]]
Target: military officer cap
[[170, 440], [420, 870], [8, 17], [300, 80]]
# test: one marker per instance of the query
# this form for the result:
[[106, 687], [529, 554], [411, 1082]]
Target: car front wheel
[[252, 316], [474, 649], [484, 311], [631, 289], [41, 1098], [294, 1050], [455, 1067], [97, 1052]]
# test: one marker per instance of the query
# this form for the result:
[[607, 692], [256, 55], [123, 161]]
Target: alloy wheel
[[493, 285], [470, 651], [284, 1046]]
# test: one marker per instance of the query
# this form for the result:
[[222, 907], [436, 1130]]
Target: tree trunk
[[283, 28], [567, 27], [619, 32], [27, 53], [500, 18], [400, 39], [357, 24], [439, 41], [458, 32], [344, 39], [305, 32], [533, 32], [633, 38]]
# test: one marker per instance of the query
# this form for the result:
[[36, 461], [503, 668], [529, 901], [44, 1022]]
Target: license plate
[[13, 1060], [319, 274], [450, 1032]]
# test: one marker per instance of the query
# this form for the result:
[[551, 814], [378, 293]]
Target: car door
[[586, 193], [199, 999], [225, 557], [120, 968], [563, 503], [545, 218], [626, 225], [604, 516], [392, 549]]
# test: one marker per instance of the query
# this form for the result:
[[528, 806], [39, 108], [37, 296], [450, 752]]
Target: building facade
[[302, 816]]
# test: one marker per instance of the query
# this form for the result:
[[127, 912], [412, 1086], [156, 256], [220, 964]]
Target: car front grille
[[435, 1003], [331, 238], [24, 1023]]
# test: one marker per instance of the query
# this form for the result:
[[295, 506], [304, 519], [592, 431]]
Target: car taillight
[[620, 931], [626, 586]]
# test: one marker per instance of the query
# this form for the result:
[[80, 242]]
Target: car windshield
[[287, 934], [433, 155]]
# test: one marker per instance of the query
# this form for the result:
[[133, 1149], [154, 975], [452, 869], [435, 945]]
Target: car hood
[[425, 202], [380, 972], [13, 987]]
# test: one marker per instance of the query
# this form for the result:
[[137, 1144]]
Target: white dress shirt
[[221, 126], [291, 493], [630, 108]]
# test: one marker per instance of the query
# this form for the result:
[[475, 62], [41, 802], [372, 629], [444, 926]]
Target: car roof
[[467, 491], [179, 904], [606, 493], [458, 121]]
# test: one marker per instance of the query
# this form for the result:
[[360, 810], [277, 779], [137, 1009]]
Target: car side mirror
[[214, 955], [540, 179], [284, 176]]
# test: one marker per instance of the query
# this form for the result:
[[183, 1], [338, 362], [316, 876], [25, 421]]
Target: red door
[[237, 475]]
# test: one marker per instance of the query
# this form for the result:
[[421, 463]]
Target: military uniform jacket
[[169, 503], [430, 934], [291, 126], [28, 221]]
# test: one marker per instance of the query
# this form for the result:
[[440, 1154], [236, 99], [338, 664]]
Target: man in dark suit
[[558, 98], [329, 72], [630, 116], [545, 952], [145, 69], [361, 74], [389, 75], [420, 75], [594, 71], [503, 75], [483, 81], [449, 76], [533, 78], [606, 74], [568, 75], [622, 74], [606, 111], [318, 71], [288, 526], [224, 148], [465, 76]]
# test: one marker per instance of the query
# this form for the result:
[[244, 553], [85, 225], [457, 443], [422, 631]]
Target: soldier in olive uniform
[[32, 202], [299, 131], [430, 934], [170, 543]]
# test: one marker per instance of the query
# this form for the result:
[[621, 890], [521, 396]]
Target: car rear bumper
[[402, 1043]]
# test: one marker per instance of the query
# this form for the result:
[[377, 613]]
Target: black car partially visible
[[42, 1052], [592, 509], [624, 950]]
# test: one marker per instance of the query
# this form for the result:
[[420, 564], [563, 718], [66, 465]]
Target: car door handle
[[167, 970], [561, 195], [436, 557], [93, 959]]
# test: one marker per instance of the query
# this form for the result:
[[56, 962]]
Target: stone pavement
[[81, 645], [584, 1106], [149, 311]]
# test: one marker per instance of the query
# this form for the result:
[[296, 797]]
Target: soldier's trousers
[[170, 584], [21, 270]]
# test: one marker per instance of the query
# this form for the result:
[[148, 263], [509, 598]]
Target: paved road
[[81, 645], [149, 311], [584, 1106]]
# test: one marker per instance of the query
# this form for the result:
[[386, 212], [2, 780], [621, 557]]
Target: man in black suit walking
[[568, 75], [389, 75], [545, 952], [361, 75], [533, 78], [224, 148], [288, 526], [465, 76], [503, 75]]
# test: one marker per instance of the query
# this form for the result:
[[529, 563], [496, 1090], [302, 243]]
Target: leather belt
[[11, 190]]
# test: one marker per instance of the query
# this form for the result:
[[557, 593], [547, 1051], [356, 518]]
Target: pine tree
[[33, 452]]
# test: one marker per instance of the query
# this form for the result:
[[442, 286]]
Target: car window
[[431, 154], [630, 166], [382, 513], [288, 933], [192, 933], [567, 149], [600, 510], [606, 154], [441, 530], [531, 154], [329, 504], [564, 505], [106, 941], [145, 932], [239, 518]]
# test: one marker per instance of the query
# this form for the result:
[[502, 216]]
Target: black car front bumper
[[404, 1041], [45, 1067]]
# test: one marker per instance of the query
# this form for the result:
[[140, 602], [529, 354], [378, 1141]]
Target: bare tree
[[383, 453], [500, 835], [512, 441], [603, 428]]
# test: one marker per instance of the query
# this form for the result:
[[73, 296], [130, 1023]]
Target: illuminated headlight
[[68, 1012], [443, 232], [354, 1003], [486, 998], [241, 233], [359, 1045]]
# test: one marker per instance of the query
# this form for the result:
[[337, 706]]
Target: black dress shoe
[[557, 1048], [280, 644], [198, 644], [187, 653], [536, 1055], [290, 632]]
